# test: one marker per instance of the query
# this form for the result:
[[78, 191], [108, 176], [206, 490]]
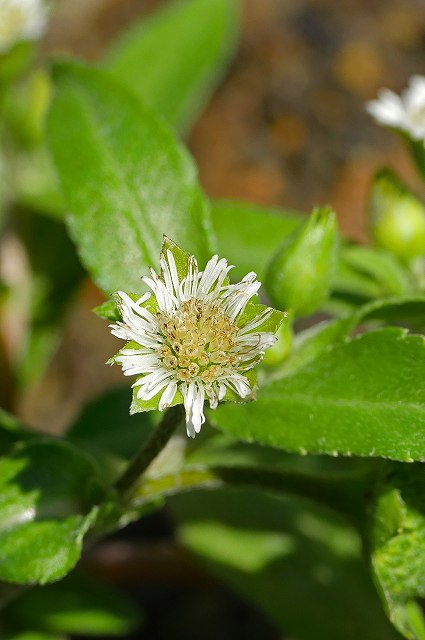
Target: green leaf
[[365, 397], [124, 177], [383, 267], [105, 426], [312, 342], [48, 490], [76, 605], [248, 235], [408, 311], [108, 310], [398, 546], [366, 273], [340, 483], [32, 635], [181, 258], [357, 284], [271, 324], [12, 431], [298, 563], [35, 182], [174, 59], [56, 275]]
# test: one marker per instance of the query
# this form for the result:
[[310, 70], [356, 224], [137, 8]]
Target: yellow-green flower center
[[198, 340]]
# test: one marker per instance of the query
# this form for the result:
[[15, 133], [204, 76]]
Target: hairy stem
[[157, 441]]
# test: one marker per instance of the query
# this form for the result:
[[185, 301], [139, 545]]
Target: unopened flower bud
[[301, 273], [397, 217]]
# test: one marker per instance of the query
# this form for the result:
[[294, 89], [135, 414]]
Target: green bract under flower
[[195, 337]]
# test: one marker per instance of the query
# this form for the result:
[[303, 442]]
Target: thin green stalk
[[157, 441]]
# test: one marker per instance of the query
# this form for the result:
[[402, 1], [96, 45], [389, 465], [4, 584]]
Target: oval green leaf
[[125, 179], [248, 235], [195, 39], [48, 490], [76, 605], [397, 538], [365, 397], [298, 563]]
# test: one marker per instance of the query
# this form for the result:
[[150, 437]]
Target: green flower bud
[[397, 217], [300, 274]]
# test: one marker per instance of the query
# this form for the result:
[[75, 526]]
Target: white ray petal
[[158, 375], [148, 394], [173, 272], [194, 396], [239, 384], [166, 274], [168, 396], [405, 112]]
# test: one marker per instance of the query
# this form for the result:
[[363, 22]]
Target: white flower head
[[194, 338], [405, 112], [21, 20]]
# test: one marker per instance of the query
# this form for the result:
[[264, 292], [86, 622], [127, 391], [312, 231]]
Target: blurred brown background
[[287, 127]]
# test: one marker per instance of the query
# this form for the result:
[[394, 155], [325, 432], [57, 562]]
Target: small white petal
[[257, 341], [166, 274], [198, 417], [213, 398], [152, 379], [144, 298], [168, 396], [21, 20], [166, 300], [135, 314], [190, 282], [146, 393], [239, 384], [405, 112], [193, 396], [414, 96], [134, 352], [221, 391], [173, 272], [388, 109], [208, 276]]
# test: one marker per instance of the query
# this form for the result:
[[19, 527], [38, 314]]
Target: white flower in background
[[405, 112], [21, 20], [196, 338]]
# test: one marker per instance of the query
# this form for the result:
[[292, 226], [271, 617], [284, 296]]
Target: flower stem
[[156, 442]]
